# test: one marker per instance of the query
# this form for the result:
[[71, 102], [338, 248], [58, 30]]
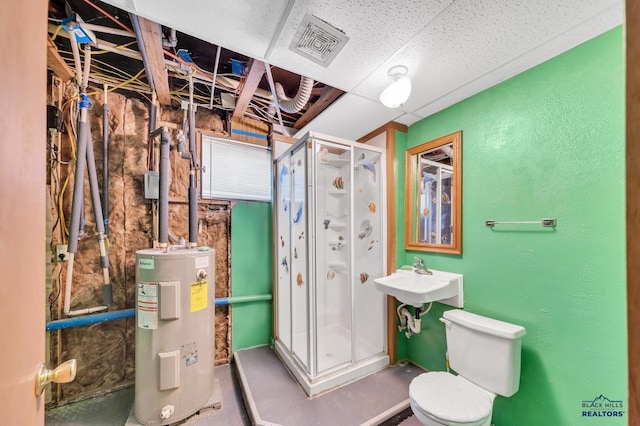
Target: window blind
[[234, 170]]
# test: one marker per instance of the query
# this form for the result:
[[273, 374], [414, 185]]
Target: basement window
[[234, 170]]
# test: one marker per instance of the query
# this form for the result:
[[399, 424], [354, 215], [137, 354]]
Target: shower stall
[[330, 232]]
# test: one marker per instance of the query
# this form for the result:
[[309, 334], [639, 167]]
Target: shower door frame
[[308, 376]]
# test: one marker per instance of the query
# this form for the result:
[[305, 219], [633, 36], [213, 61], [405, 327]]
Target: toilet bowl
[[440, 398], [486, 355]]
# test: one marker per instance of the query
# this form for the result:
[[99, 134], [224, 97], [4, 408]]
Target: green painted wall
[[399, 166], [251, 273], [546, 143]]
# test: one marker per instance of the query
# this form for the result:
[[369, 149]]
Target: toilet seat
[[451, 399]]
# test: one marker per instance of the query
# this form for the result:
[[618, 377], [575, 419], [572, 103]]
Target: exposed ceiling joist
[[56, 63], [328, 95], [256, 71], [152, 36]]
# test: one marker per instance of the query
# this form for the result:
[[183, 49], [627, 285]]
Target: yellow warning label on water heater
[[198, 295]]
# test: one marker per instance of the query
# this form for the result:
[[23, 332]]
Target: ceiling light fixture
[[398, 92]]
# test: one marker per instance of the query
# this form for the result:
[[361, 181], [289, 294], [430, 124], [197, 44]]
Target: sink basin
[[416, 289]]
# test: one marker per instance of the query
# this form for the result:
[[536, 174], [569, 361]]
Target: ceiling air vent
[[318, 41]]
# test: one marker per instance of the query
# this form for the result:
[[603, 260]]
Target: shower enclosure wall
[[330, 246]]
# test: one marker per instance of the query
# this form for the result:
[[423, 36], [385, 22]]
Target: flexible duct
[[295, 104]]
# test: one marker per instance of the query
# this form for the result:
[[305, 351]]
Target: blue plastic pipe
[[89, 319], [130, 313]]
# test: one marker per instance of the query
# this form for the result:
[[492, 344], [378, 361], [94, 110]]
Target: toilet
[[486, 355]]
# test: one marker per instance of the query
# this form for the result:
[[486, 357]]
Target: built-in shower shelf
[[337, 267], [335, 162], [337, 225], [337, 192]]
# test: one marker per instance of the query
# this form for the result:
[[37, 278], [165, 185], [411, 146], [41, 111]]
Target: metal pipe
[[213, 79], [153, 115], [163, 198], [130, 313], [105, 162], [193, 182], [143, 51], [172, 41]]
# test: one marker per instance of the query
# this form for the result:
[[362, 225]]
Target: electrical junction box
[[61, 253], [83, 35], [151, 185]]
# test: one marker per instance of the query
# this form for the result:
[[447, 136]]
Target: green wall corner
[[251, 273], [546, 143]]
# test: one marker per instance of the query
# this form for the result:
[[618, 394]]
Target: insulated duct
[[295, 104]]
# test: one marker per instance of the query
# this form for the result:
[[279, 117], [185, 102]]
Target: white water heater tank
[[174, 333]]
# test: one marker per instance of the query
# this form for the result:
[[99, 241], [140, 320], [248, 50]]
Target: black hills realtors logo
[[602, 406]]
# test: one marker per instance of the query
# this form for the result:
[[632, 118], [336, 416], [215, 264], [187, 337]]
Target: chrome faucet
[[420, 267]]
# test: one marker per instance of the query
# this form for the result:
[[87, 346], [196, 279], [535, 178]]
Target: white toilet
[[486, 355]]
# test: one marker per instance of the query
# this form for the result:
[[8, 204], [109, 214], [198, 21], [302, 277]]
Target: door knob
[[64, 373]]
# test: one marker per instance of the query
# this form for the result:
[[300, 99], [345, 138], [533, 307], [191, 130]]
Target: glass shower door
[[298, 260], [282, 204], [333, 311], [368, 253]]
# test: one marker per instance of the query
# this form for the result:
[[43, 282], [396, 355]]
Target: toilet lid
[[450, 397]]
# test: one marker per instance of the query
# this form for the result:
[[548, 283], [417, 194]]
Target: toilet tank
[[484, 350]]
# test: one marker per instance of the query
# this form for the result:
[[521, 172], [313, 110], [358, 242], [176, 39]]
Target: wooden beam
[[152, 37], [327, 97], [56, 63], [256, 71]]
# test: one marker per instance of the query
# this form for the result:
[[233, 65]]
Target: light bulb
[[396, 93]]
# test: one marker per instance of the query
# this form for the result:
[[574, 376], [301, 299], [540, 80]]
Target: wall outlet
[[61, 253]]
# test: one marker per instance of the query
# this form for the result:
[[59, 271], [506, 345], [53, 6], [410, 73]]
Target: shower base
[[340, 375]]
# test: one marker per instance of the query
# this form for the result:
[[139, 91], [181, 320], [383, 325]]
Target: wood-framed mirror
[[433, 195]]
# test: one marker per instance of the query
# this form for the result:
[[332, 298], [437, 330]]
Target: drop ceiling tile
[[376, 31], [350, 117], [473, 38], [571, 38], [243, 26], [408, 119]]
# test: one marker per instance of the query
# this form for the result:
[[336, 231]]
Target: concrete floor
[[273, 397], [284, 402], [115, 408]]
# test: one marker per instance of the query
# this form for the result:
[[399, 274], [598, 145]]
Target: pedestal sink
[[417, 289]]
